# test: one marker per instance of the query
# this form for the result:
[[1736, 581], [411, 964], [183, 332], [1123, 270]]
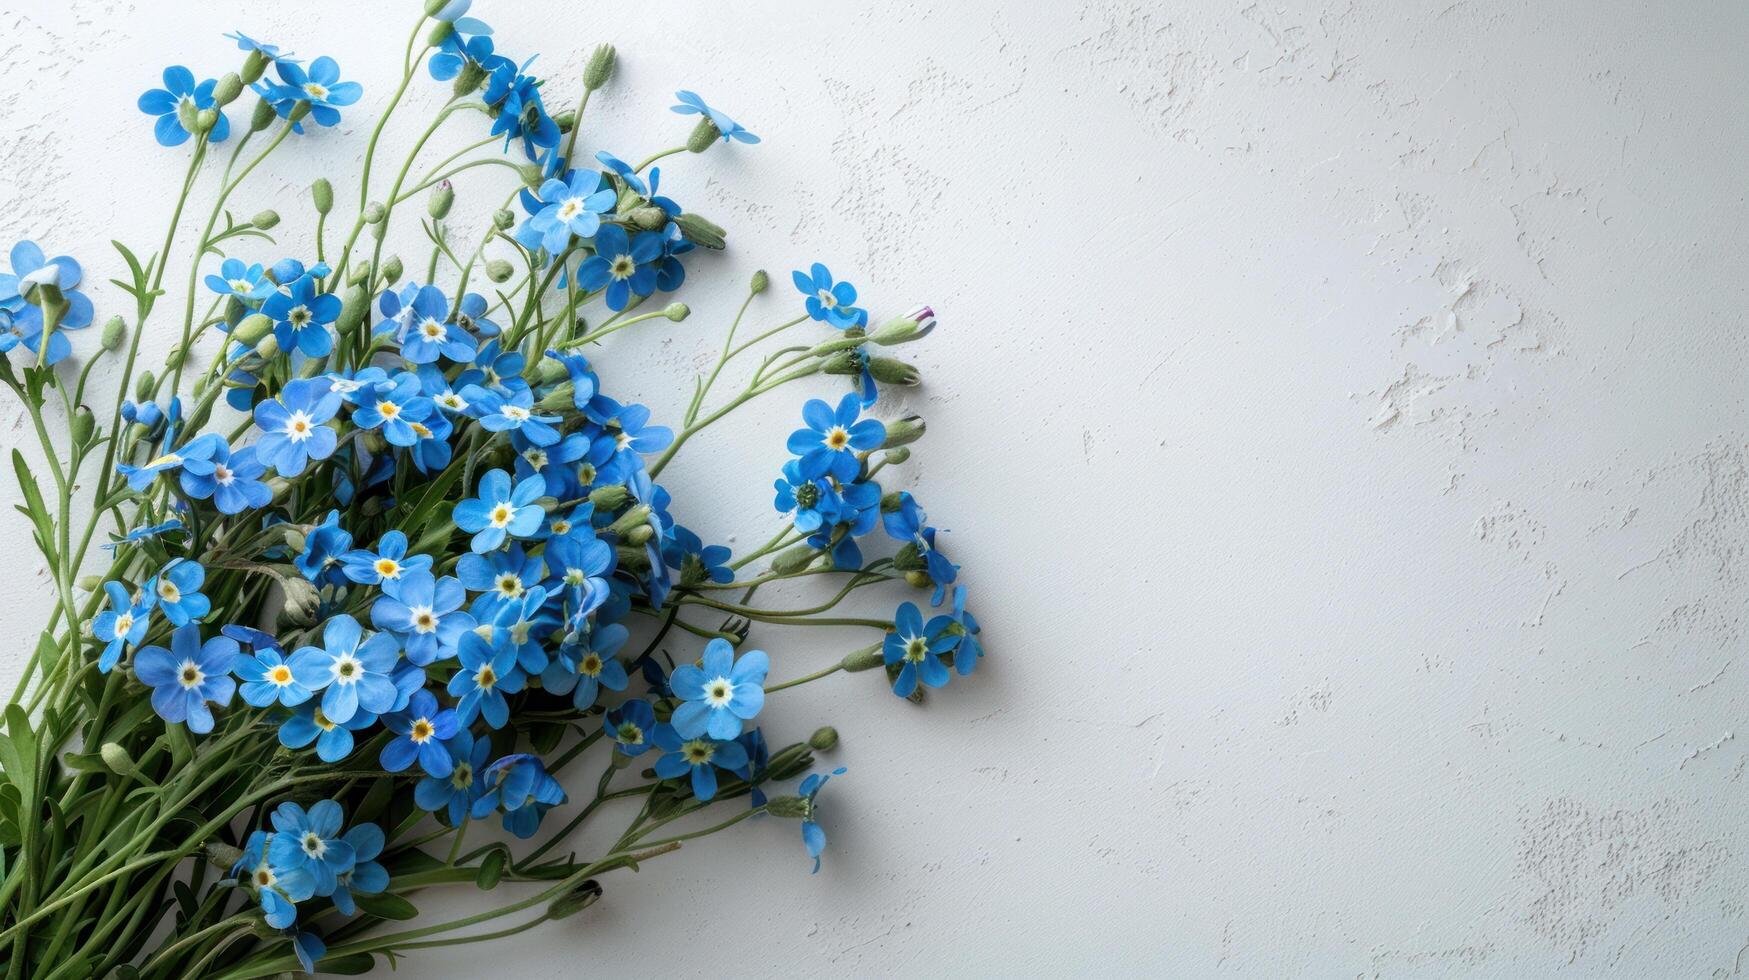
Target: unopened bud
[[701, 231], [912, 326], [89, 583], [532, 175], [824, 739], [262, 116], [114, 331], [173, 360], [118, 761], [575, 900], [789, 807], [867, 658], [84, 426], [648, 218], [903, 432], [268, 348], [467, 81], [889, 371], [638, 516], [143, 386], [322, 193], [609, 497], [222, 855], [793, 560], [677, 312], [439, 33], [502, 219], [844, 362], [301, 600], [252, 328], [442, 199], [353, 307], [266, 219], [498, 270], [205, 120], [703, 135], [375, 212], [228, 88], [392, 269], [600, 67], [295, 540], [253, 67], [761, 282], [188, 115], [899, 455]]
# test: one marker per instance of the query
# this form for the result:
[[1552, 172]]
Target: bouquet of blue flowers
[[387, 560]]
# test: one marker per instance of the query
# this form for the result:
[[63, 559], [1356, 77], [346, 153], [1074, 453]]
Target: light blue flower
[[700, 757], [425, 614], [456, 792], [139, 534], [430, 334], [277, 890], [500, 511], [122, 624], [310, 841], [26, 319], [176, 591], [246, 282], [388, 563], [501, 575], [323, 547], [269, 51], [916, 649], [395, 406], [267, 679], [520, 786], [167, 104], [513, 413], [301, 316], [830, 302], [367, 877], [333, 740], [320, 86], [351, 675], [188, 675], [814, 838], [571, 209], [720, 692], [832, 438], [293, 426], [231, 479], [691, 104]]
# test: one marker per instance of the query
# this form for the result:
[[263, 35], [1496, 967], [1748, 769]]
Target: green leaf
[[412, 862], [386, 906], [18, 756], [350, 965], [47, 651]]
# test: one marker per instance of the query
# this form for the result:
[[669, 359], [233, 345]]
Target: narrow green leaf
[[385, 906]]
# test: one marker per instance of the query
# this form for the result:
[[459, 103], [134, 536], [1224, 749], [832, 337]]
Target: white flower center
[[388, 409], [189, 675], [537, 458], [168, 591], [828, 300], [123, 623], [836, 437], [315, 90], [452, 401], [509, 586], [422, 731], [485, 677], [432, 329], [516, 413], [572, 207], [223, 474], [299, 426], [502, 514], [720, 691], [241, 285], [347, 669], [424, 619], [280, 675], [314, 845]]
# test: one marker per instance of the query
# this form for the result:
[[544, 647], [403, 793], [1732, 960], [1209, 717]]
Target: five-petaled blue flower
[[622, 264], [310, 841], [267, 678], [631, 726], [695, 560], [830, 442], [520, 786], [456, 792], [122, 624], [501, 510], [395, 406], [30, 267], [487, 673], [188, 675], [351, 675], [231, 479], [720, 692], [429, 332], [386, 564], [246, 282], [582, 668], [691, 104], [421, 729], [917, 649], [829, 301], [425, 614], [367, 877], [320, 86], [571, 208], [293, 429], [333, 740], [176, 590], [700, 756], [301, 316], [168, 104]]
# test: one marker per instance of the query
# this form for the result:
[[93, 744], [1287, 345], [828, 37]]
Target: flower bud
[[435, 8], [442, 199], [295, 540], [700, 231], [891, 372], [566, 120], [84, 426], [143, 386], [205, 120], [253, 67], [789, 807], [89, 583], [221, 855], [374, 443], [636, 517], [794, 559], [498, 270], [502, 219], [609, 497], [867, 658], [392, 270], [633, 561], [576, 900], [374, 212], [703, 135], [301, 600], [491, 869], [677, 311], [900, 329], [897, 456], [353, 307], [844, 362], [263, 115], [119, 762], [228, 88], [600, 67], [761, 282], [359, 276], [299, 110], [252, 328], [532, 175], [173, 360], [903, 432], [114, 331], [266, 219], [187, 115], [322, 193], [918, 579], [268, 349], [439, 33], [824, 739]]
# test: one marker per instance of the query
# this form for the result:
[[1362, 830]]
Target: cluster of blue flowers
[[307, 856]]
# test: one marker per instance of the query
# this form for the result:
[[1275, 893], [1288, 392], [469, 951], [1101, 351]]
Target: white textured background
[[1337, 410]]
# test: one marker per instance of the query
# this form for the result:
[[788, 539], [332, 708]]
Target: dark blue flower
[[828, 301], [456, 792], [167, 104], [323, 547], [516, 96], [139, 534], [488, 671], [188, 675], [813, 838], [696, 561], [691, 104], [367, 877], [581, 668], [422, 730], [520, 786], [630, 726], [501, 575]]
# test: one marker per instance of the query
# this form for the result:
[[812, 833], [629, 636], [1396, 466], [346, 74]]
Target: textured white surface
[[1337, 411]]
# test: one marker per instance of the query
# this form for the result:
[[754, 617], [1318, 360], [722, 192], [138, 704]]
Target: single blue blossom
[[421, 731], [232, 479], [333, 740], [814, 838], [581, 669], [388, 563], [177, 102], [691, 104], [520, 786], [455, 793], [246, 282], [424, 613], [294, 426], [571, 208], [631, 726], [367, 877], [831, 440], [500, 510], [700, 757], [323, 547], [488, 671], [695, 561], [394, 406], [176, 591], [622, 264], [301, 316], [123, 624], [830, 302], [352, 675], [916, 649], [310, 841], [187, 676], [267, 679], [720, 692], [320, 86]]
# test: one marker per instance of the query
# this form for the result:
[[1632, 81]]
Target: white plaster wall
[[1337, 410]]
